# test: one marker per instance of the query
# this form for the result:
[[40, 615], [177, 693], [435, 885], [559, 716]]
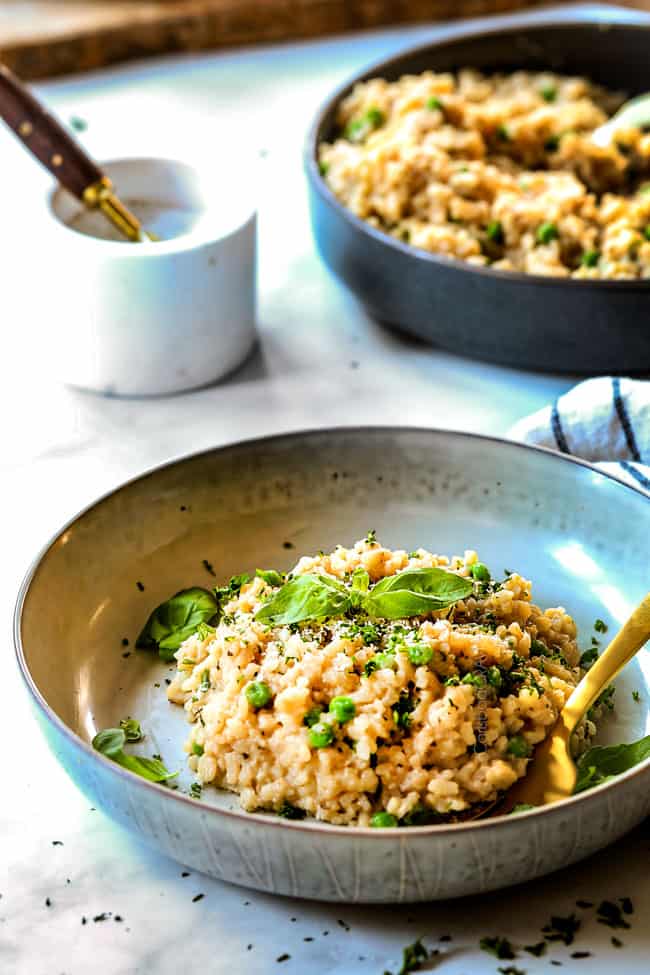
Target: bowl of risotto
[[460, 191], [312, 664]]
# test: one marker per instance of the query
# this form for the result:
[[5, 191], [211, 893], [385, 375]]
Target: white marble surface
[[320, 361]]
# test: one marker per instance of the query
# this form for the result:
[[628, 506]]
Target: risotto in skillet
[[371, 686], [496, 170]]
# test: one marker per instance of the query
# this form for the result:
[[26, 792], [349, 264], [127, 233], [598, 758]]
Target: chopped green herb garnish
[[611, 914], [323, 167], [589, 657], [521, 807], [590, 258], [402, 710], [600, 626], [434, 104], [380, 661], [195, 790], [537, 949], [562, 929], [371, 537], [494, 232], [500, 947], [548, 93], [503, 133], [288, 811], [419, 654], [204, 686], [197, 749], [270, 576], [636, 696], [312, 716]]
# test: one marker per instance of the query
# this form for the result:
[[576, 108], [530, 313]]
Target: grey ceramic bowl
[[579, 534], [516, 319]]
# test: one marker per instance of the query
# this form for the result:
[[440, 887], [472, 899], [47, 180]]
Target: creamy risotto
[[496, 170], [373, 686]]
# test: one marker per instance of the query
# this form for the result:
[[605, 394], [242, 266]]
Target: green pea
[[420, 654], [494, 677], [494, 231], [434, 104], [480, 571], [383, 820], [519, 747], [546, 232], [549, 93], [343, 708], [590, 258], [646, 232], [197, 749], [312, 716], [321, 735], [258, 694]]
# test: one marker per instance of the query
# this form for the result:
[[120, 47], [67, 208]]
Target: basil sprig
[[110, 742], [176, 619], [603, 762], [412, 592]]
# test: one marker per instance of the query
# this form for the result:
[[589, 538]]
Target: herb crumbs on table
[[167, 681], [611, 914], [118, 918], [284, 957], [208, 566], [554, 962], [57, 842], [445, 937], [627, 905], [616, 941], [84, 920], [636, 696], [308, 939], [78, 124], [581, 954], [48, 902], [511, 970], [185, 873], [500, 947], [197, 897], [537, 949], [140, 585], [104, 916], [125, 641], [582, 903], [412, 955], [343, 924], [126, 654], [287, 545], [562, 928], [249, 947]]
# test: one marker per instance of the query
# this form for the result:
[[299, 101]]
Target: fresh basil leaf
[[176, 619], [271, 576], [151, 769], [415, 591], [110, 742], [603, 762], [306, 597]]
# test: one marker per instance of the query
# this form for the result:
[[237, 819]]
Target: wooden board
[[49, 37]]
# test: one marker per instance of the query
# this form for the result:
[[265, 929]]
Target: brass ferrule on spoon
[[101, 196]]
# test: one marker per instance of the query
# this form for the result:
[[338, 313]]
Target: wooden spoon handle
[[45, 137]]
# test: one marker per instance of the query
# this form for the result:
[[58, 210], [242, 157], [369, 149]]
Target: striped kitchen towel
[[605, 420]]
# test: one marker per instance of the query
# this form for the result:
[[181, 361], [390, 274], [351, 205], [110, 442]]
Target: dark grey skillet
[[515, 319]]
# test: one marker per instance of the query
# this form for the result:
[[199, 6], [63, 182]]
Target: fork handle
[[623, 647], [44, 136]]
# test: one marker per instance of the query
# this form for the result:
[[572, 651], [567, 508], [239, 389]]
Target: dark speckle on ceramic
[[512, 318], [551, 519]]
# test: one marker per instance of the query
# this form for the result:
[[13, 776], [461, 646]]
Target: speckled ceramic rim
[[87, 751], [378, 68]]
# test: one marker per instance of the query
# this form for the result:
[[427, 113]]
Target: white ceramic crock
[[156, 317]]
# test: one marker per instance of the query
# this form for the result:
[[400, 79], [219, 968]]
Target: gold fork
[[552, 773]]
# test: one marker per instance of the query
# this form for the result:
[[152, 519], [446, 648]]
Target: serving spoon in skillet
[[47, 140], [634, 114], [552, 773]]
